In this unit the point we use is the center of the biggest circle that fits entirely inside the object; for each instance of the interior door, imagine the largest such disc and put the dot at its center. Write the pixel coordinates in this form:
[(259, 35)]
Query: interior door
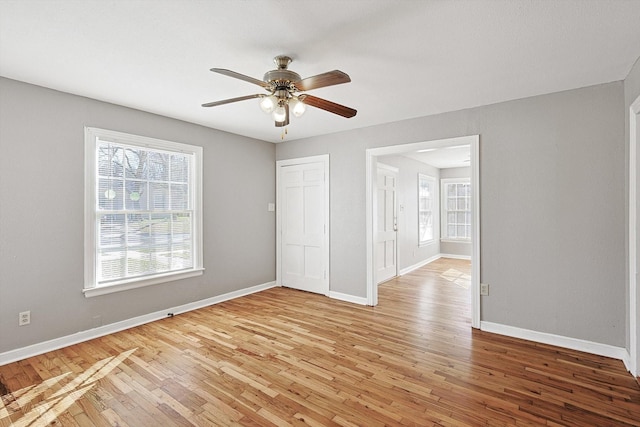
[(387, 223), (303, 221)]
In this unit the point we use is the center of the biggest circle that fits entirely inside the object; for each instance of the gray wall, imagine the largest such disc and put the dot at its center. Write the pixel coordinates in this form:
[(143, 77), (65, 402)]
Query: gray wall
[(455, 248), (552, 216), (409, 250), (631, 92), (42, 204)]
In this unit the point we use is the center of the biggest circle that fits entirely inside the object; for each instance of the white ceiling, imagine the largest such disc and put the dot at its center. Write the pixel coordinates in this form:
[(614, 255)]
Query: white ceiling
[(456, 156), (406, 58)]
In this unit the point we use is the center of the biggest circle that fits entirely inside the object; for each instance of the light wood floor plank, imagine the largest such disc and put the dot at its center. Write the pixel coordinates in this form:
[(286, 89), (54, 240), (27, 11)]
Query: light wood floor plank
[(288, 358)]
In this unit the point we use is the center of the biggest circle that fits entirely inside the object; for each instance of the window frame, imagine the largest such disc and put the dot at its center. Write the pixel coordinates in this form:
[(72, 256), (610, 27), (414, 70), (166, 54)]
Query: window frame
[(444, 217), (91, 287), (432, 182)]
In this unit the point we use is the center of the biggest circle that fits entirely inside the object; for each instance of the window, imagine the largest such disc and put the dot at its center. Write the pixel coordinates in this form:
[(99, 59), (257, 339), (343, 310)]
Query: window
[(143, 207), (456, 209), (426, 186)]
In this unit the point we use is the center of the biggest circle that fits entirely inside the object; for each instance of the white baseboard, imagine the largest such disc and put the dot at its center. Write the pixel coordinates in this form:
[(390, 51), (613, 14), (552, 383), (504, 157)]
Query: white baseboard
[(627, 362), (348, 298), (57, 343), (557, 340), (454, 256), (422, 263)]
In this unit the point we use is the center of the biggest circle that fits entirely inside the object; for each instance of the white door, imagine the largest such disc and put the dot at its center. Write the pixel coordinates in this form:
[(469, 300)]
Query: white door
[(303, 222), (387, 226)]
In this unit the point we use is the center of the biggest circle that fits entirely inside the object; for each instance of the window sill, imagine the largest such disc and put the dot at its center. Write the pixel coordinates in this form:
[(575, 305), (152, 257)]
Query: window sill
[(468, 241), (426, 243), (139, 283)]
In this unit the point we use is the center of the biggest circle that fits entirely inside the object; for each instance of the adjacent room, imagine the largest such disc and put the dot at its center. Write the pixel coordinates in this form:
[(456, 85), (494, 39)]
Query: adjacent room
[(284, 212)]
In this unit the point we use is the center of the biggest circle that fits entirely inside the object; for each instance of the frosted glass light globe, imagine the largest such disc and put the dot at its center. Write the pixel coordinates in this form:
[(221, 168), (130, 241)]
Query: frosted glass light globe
[(297, 107), (268, 103), (279, 114)]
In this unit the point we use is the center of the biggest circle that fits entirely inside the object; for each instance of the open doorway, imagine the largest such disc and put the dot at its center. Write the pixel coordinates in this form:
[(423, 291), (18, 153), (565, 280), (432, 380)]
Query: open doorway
[(469, 143)]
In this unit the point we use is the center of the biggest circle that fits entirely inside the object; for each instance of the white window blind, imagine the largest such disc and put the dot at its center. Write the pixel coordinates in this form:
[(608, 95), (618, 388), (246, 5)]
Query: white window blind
[(144, 210)]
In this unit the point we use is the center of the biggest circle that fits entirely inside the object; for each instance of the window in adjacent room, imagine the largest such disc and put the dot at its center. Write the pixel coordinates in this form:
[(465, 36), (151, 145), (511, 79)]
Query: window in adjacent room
[(143, 211), (426, 186), (456, 209)]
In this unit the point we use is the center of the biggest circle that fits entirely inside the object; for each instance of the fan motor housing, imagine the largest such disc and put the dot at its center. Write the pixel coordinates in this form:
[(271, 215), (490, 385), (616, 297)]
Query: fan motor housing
[(281, 78)]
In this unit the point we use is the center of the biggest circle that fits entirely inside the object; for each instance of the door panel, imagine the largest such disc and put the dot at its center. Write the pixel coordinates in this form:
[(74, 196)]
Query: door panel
[(303, 227), (386, 234)]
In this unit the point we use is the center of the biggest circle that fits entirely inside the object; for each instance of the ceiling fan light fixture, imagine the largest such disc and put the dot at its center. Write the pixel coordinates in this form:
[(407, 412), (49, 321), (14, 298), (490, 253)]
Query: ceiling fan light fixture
[(297, 107), (279, 114), (283, 86), (268, 103)]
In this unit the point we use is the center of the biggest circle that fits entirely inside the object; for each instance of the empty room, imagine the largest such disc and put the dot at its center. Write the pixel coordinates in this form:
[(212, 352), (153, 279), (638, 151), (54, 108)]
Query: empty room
[(319, 212)]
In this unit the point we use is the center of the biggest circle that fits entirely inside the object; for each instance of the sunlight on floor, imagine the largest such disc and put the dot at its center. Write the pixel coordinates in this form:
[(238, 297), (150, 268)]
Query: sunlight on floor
[(459, 278), (55, 404)]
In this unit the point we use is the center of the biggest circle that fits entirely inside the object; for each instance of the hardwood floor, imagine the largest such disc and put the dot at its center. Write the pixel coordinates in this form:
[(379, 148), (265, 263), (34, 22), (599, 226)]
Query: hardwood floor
[(284, 357)]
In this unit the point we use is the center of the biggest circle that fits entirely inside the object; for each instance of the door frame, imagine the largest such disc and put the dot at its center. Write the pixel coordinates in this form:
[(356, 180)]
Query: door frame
[(634, 297), (280, 164), (371, 159), (395, 211)]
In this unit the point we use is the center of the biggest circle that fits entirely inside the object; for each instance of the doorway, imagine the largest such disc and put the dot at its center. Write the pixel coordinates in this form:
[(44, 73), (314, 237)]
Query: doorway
[(371, 178), (302, 224)]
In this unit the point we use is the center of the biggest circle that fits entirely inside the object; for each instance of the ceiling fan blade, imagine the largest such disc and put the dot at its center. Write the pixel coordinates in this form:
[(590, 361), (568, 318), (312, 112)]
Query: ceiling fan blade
[(241, 77), (286, 117), (230, 100), (329, 106), (330, 78)]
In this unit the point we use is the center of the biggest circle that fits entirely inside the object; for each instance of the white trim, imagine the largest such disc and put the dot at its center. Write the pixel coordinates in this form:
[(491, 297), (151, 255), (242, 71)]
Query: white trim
[(627, 361), (633, 361), (456, 142), (348, 298), (57, 343), (556, 340), (91, 134), (126, 285), (422, 263), (372, 288), (455, 256), (444, 232), (463, 241), (370, 155), (322, 158), (475, 231)]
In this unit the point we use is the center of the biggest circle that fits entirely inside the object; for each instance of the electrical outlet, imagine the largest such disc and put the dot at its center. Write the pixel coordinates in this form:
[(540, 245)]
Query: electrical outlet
[(24, 318), (484, 289)]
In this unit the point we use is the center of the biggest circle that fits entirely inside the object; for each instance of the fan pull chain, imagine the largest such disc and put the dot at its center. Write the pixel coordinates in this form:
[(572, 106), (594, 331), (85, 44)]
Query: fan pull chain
[(285, 131)]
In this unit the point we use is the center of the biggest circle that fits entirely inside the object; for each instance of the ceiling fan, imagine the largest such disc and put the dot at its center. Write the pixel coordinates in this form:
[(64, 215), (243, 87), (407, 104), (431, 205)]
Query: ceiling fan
[(282, 86)]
